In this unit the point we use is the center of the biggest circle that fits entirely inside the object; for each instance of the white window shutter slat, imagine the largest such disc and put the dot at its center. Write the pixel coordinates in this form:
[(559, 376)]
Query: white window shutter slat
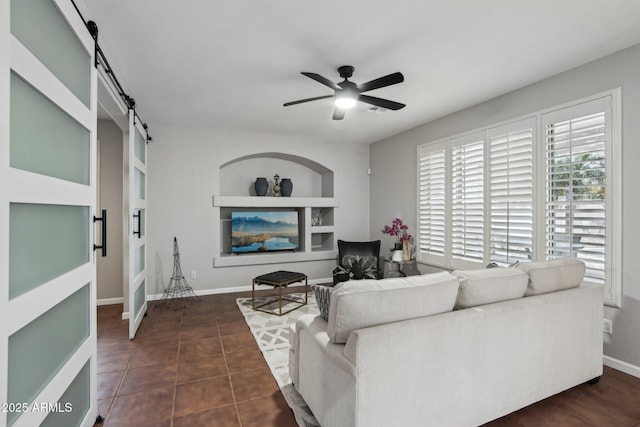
[(511, 192), (467, 204), (576, 190), (431, 204)]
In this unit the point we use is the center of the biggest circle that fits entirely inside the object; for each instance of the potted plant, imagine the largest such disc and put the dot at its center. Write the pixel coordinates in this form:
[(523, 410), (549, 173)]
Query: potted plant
[(358, 269), (402, 246)]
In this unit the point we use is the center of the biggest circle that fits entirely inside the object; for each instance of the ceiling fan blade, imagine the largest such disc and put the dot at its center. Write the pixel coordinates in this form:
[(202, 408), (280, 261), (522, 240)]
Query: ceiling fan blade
[(384, 103), (338, 114), (307, 100), (325, 81), (389, 80)]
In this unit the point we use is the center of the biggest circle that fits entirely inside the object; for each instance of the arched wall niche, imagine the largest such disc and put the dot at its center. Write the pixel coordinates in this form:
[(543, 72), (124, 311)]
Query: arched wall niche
[(310, 178)]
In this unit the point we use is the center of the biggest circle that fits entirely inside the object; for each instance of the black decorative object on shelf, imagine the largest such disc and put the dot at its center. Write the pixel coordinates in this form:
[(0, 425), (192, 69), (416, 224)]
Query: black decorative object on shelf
[(286, 186), (261, 186), (178, 294)]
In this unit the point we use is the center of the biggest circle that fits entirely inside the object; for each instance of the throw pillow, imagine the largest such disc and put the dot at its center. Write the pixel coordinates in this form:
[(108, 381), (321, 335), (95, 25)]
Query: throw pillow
[(486, 286), (323, 298), (551, 276), (495, 264), (360, 304)]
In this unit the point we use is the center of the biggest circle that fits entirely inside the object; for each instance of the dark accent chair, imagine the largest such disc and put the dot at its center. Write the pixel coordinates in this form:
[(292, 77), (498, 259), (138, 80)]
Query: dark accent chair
[(361, 249)]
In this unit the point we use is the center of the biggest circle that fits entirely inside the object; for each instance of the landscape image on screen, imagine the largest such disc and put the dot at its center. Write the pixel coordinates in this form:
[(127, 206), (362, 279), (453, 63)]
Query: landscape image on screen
[(264, 231)]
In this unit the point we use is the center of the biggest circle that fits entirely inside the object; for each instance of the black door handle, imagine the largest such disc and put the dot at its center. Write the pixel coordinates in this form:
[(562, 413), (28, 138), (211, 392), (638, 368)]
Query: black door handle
[(103, 220), (136, 218)]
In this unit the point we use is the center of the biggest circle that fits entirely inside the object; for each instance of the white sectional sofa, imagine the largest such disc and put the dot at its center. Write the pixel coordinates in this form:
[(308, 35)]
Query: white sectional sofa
[(395, 352)]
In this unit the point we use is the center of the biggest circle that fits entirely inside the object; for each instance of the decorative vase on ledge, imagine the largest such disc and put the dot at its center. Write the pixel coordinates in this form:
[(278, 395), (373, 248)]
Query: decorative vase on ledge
[(261, 186), (286, 186), (406, 250)]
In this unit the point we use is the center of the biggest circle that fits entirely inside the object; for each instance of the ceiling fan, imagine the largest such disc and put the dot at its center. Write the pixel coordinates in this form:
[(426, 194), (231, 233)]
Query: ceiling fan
[(347, 93)]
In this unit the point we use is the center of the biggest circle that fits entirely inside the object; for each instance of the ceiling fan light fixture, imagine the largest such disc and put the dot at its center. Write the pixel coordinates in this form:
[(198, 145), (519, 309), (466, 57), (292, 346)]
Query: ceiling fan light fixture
[(345, 101), (347, 94)]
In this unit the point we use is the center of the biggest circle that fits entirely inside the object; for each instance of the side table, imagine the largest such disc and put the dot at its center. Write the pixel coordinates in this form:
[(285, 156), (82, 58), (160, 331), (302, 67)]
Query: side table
[(279, 279), (399, 268)]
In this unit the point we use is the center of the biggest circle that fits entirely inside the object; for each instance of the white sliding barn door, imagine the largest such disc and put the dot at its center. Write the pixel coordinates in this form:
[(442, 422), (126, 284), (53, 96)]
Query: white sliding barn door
[(136, 207), (47, 206)]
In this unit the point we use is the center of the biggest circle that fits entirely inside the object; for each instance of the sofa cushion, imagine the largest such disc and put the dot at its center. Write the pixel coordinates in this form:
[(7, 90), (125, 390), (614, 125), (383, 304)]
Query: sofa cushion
[(360, 304), (323, 298), (551, 276), (489, 285)]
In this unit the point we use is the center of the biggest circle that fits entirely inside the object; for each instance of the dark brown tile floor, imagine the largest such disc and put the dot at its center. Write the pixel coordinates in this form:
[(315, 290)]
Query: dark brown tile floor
[(200, 366), (197, 366)]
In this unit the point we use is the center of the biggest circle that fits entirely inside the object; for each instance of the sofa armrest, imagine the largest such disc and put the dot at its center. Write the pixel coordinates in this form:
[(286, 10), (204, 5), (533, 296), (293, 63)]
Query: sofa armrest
[(315, 328), (324, 377), (294, 342)]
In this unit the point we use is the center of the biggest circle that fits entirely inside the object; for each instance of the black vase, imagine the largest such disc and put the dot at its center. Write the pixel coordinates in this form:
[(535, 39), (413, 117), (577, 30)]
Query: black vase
[(261, 186), (286, 186)]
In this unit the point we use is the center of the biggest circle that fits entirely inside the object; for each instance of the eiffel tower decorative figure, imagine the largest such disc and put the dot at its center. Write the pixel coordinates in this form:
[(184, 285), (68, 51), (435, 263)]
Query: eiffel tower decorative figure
[(178, 294)]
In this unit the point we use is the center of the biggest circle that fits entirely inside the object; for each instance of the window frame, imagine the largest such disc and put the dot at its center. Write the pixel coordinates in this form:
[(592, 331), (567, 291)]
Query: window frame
[(613, 262)]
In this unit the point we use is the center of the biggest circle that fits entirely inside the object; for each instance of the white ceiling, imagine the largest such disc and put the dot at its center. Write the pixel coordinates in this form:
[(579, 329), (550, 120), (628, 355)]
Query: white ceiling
[(232, 64)]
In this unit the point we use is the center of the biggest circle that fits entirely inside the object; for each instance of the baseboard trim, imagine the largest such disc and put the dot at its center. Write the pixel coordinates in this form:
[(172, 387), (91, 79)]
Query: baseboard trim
[(625, 367), (154, 297), (203, 292), (110, 301)]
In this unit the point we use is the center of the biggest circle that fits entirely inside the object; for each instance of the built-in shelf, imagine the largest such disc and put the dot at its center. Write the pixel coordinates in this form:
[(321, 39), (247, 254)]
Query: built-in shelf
[(316, 242), (257, 259), (321, 241), (313, 201), (322, 229), (274, 202)]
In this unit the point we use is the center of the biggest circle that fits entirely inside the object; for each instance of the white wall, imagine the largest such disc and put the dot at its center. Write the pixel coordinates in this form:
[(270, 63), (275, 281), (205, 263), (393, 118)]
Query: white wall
[(184, 174), (306, 183), (109, 268), (393, 184)]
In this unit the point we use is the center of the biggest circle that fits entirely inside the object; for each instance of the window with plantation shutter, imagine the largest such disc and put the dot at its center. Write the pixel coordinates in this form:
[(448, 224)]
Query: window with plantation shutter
[(576, 162), (534, 189), (431, 202), (511, 192), (467, 200)]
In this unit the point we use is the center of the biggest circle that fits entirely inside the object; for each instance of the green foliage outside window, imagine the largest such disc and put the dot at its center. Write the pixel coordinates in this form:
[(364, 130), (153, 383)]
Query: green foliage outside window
[(583, 177)]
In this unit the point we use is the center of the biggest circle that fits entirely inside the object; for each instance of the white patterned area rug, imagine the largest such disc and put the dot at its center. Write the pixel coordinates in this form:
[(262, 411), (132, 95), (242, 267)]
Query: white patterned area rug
[(271, 332)]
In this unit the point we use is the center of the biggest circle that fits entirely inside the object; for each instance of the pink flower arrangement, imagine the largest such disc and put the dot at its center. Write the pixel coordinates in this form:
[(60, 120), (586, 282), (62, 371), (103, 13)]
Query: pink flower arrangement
[(399, 230)]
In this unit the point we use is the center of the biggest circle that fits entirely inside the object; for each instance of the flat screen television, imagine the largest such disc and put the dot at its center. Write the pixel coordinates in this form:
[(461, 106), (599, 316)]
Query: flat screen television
[(264, 231)]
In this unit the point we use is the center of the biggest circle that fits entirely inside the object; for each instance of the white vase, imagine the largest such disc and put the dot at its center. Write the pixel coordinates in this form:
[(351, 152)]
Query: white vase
[(397, 255)]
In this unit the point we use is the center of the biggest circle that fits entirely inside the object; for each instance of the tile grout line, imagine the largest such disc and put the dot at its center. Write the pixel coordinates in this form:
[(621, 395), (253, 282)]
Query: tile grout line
[(224, 356), (117, 391), (223, 313), (175, 383)]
